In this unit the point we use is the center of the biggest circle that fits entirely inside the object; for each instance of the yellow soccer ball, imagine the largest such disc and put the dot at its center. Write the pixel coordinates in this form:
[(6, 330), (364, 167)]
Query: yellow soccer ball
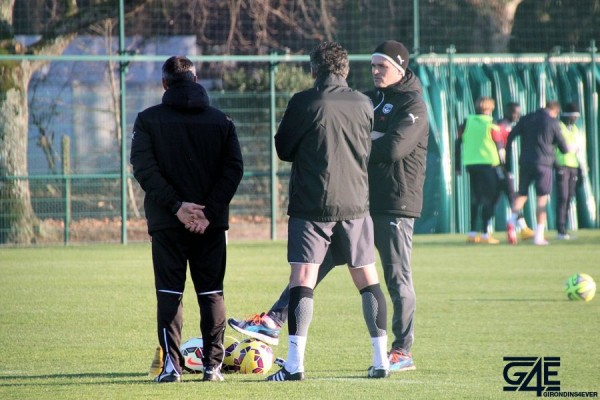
[(580, 287)]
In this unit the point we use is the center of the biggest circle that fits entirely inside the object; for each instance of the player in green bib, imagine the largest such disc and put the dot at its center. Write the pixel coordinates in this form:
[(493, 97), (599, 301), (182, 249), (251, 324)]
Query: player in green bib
[(568, 166), (477, 147)]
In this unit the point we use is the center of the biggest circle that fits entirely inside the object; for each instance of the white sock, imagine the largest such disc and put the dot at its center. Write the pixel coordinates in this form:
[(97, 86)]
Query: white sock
[(295, 358), (484, 236), (513, 219), (522, 223), (380, 357), (539, 232), (472, 234)]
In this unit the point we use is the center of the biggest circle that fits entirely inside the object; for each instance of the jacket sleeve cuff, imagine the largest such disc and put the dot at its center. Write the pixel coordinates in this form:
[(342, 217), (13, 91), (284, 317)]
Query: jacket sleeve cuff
[(209, 214), (176, 206)]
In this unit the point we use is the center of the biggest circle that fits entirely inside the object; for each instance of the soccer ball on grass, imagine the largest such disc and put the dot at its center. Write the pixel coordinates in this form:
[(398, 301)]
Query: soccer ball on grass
[(252, 357), (230, 343), (192, 355), (580, 287)]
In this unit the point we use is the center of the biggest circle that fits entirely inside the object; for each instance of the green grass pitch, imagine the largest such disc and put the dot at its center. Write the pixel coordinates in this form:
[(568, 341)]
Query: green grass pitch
[(79, 322)]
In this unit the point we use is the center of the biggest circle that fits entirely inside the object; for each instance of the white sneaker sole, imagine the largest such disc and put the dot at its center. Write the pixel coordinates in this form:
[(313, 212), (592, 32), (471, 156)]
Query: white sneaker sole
[(256, 335), (410, 368)]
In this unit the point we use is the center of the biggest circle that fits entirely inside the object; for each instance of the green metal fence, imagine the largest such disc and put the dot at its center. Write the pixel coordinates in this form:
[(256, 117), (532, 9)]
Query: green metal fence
[(70, 181), (74, 206), (454, 81)]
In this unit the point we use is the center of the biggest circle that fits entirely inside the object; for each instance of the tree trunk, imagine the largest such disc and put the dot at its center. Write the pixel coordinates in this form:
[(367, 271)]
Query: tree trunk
[(18, 223), (17, 219)]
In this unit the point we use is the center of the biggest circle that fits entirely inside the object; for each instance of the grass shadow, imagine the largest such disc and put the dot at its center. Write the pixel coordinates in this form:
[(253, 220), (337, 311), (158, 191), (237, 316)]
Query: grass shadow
[(57, 379), (520, 300)]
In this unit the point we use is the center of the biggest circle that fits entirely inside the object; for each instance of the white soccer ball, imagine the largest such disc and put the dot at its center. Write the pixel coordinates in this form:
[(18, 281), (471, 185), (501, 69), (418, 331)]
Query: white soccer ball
[(192, 355)]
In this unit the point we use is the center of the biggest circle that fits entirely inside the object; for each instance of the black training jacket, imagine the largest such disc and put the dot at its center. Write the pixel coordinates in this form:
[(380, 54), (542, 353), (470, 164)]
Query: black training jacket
[(398, 156), (185, 150), (539, 133), (325, 133)]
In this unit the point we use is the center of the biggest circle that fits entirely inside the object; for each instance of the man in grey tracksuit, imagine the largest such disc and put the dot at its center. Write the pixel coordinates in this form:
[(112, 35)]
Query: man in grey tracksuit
[(396, 176)]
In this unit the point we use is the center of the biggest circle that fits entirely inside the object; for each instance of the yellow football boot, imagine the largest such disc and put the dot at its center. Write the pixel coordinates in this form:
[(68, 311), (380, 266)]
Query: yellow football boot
[(527, 233)]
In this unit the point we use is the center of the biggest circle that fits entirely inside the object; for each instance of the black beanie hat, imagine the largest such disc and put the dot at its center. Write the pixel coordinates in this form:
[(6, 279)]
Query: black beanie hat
[(570, 110), (395, 52)]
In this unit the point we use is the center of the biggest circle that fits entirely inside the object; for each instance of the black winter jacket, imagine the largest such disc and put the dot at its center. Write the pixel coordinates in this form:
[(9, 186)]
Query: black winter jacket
[(539, 133), (399, 148), (325, 134), (185, 150)]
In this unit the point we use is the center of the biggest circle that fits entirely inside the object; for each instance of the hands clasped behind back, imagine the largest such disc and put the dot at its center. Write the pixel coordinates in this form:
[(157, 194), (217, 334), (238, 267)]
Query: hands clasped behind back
[(192, 216)]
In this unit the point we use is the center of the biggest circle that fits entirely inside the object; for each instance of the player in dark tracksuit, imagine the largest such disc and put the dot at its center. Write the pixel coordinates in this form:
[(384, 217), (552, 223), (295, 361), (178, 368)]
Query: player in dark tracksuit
[(512, 113), (539, 132), (396, 178), (186, 156)]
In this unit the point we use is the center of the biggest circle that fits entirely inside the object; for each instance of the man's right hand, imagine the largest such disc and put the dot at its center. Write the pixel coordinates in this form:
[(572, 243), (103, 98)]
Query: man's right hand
[(192, 217)]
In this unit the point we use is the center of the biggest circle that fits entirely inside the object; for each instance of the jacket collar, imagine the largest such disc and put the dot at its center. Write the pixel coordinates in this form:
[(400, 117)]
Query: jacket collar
[(186, 96), (330, 80), (402, 85)]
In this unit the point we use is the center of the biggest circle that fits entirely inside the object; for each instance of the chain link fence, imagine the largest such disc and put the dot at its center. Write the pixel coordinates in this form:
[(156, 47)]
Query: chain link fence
[(86, 72)]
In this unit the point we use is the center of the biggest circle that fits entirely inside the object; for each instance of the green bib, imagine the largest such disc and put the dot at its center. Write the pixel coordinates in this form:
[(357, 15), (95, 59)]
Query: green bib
[(570, 134), (478, 145)]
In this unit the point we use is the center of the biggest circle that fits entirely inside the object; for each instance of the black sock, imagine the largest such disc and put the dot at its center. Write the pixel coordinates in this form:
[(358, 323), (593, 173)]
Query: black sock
[(374, 310), (300, 310)]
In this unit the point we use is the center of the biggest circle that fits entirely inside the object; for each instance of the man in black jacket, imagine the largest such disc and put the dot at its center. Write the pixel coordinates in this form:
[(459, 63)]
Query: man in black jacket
[(187, 158), (325, 133), (396, 176), (539, 132)]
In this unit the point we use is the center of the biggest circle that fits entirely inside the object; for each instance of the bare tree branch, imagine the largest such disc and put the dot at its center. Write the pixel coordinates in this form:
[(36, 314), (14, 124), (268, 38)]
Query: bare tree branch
[(79, 21)]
